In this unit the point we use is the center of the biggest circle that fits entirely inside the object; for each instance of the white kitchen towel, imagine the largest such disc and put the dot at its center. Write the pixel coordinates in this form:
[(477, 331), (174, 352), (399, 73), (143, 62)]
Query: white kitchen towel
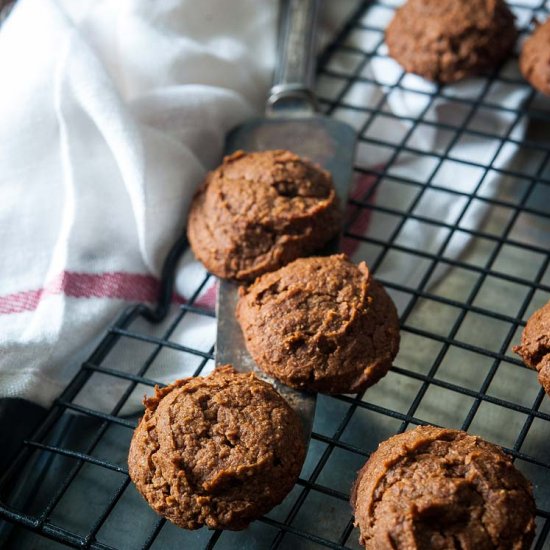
[(112, 111)]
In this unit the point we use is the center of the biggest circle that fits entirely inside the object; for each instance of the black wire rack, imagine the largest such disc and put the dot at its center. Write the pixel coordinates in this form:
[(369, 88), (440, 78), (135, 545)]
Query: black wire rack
[(460, 314)]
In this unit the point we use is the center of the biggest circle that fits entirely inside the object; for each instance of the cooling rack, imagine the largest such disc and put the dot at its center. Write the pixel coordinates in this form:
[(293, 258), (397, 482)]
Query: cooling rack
[(460, 314)]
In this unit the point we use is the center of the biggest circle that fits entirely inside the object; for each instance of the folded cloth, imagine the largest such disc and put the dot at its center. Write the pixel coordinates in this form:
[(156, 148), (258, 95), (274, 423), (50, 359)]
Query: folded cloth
[(111, 114)]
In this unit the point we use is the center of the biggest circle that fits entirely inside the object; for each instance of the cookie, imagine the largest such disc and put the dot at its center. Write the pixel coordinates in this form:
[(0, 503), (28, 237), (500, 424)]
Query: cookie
[(218, 451), (259, 211), (451, 40), (534, 61), (320, 324), (535, 345), (440, 489)]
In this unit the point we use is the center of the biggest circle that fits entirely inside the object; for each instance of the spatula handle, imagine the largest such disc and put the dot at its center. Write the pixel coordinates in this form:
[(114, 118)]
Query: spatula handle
[(292, 83)]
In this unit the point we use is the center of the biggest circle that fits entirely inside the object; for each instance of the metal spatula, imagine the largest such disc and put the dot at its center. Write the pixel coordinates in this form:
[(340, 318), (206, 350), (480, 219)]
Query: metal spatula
[(290, 123)]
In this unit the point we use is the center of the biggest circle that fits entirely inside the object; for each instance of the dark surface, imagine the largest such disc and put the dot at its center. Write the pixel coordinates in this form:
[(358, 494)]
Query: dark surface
[(18, 419)]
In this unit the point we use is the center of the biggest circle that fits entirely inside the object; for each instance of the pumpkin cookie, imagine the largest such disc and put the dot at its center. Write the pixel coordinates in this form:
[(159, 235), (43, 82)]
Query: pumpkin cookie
[(439, 489), (451, 40), (259, 211), (534, 61), (218, 451), (535, 345), (320, 324)]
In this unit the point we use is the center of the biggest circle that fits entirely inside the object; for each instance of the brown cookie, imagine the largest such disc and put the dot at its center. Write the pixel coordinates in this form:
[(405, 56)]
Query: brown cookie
[(259, 211), (534, 61), (440, 489), (218, 451), (535, 345), (451, 40), (320, 324)]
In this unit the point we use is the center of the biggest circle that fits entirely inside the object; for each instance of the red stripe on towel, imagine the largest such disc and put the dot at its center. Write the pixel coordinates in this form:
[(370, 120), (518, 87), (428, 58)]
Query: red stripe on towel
[(360, 216), (208, 299), (119, 285)]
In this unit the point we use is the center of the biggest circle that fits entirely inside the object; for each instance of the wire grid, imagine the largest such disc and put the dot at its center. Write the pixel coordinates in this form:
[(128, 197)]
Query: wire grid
[(454, 369)]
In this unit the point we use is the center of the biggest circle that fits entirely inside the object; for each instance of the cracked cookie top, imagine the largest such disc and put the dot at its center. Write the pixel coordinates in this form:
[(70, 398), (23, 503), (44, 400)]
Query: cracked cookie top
[(439, 489), (219, 450), (320, 324), (259, 211)]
